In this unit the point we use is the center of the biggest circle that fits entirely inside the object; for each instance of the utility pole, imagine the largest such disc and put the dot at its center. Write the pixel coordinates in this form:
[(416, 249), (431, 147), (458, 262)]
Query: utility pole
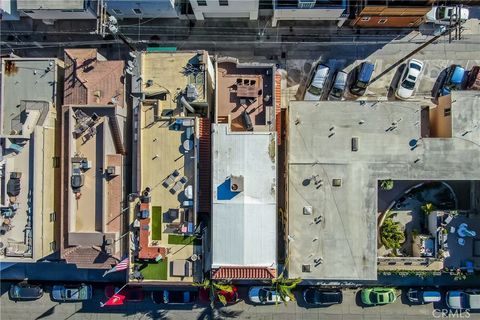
[(399, 62), (453, 25)]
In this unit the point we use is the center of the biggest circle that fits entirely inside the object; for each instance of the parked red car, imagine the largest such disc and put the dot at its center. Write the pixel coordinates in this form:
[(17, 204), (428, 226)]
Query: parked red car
[(231, 297), (132, 294)]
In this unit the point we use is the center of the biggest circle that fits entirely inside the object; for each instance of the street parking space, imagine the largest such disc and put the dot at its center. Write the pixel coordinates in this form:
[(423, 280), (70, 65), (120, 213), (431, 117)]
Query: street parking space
[(350, 308)]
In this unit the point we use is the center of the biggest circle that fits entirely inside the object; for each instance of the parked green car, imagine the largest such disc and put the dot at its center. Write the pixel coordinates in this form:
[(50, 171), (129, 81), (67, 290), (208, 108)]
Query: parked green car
[(378, 296)]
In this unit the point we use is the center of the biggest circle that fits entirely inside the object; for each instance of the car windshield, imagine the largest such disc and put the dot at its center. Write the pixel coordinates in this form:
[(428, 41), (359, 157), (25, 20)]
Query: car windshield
[(362, 84), (315, 91), (336, 92), (391, 296), (373, 297), (407, 84), (464, 301), (415, 66), (441, 13), (264, 295)]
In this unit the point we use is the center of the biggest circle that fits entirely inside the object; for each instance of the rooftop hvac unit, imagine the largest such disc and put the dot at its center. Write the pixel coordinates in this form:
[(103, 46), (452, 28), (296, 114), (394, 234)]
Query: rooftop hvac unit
[(192, 93), (236, 183), (306, 4), (307, 210), (113, 170)]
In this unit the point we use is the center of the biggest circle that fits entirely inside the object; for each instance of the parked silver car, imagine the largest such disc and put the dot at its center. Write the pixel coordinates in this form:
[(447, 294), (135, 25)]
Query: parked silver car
[(338, 87), (72, 293), (317, 85), (459, 300)]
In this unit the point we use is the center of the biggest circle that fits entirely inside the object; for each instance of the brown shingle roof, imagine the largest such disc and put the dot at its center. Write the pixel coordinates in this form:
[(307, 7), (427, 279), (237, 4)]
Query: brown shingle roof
[(89, 257), (89, 81), (243, 273)]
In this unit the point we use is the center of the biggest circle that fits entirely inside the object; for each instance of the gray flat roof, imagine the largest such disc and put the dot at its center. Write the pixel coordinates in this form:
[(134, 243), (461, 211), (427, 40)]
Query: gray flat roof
[(244, 224), (342, 246), (466, 115), (25, 79), (50, 4)]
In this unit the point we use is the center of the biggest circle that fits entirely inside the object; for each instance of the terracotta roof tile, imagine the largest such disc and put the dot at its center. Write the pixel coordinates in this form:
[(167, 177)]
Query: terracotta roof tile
[(243, 273), (89, 81), (205, 166), (278, 106), (89, 257)]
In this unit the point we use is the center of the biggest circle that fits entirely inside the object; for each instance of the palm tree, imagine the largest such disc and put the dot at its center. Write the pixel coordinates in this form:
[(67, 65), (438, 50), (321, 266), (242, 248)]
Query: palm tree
[(428, 208), (387, 185), (284, 286), (392, 235), (214, 288)]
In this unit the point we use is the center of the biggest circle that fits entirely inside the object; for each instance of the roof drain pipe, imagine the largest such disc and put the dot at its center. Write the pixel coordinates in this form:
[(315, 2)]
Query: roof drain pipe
[(186, 105)]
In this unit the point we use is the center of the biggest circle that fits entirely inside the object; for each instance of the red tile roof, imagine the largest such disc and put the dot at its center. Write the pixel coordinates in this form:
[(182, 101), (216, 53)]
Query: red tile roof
[(278, 106), (243, 273), (205, 166), (89, 81)]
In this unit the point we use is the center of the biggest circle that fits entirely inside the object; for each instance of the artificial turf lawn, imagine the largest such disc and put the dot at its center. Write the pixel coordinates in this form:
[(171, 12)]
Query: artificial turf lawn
[(156, 270), (175, 239), (156, 223)]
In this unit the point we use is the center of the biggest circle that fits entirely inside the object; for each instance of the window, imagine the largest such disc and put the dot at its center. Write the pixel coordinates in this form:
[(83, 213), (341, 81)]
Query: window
[(137, 11), (447, 112), (201, 2), (117, 11), (223, 2), (382, 21), (53, 216), (56, 162), (53, 246), (365, 19)]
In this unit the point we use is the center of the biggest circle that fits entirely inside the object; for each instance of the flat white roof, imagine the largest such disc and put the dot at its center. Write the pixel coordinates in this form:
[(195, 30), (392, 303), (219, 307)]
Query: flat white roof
[(244, 224)]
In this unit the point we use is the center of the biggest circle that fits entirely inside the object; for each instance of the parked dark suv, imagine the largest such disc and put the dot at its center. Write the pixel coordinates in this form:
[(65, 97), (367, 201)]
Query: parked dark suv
[(23, 291), (361, 77)]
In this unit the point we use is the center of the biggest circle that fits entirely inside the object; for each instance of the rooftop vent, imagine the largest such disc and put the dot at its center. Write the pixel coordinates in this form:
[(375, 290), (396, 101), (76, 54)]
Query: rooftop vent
[(236, 183), (308, 210), (337, 182), (355, 144), (306, 268)]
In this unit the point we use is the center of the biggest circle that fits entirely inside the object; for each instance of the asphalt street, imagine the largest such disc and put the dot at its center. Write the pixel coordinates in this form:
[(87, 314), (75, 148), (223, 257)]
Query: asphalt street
[(350, 309)]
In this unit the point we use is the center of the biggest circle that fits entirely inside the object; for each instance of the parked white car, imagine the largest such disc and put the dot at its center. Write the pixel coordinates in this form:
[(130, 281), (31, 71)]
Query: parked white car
[(442, 14), (315, 89), (468, 299), (409, 79), (72, 293), (264, 295)]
